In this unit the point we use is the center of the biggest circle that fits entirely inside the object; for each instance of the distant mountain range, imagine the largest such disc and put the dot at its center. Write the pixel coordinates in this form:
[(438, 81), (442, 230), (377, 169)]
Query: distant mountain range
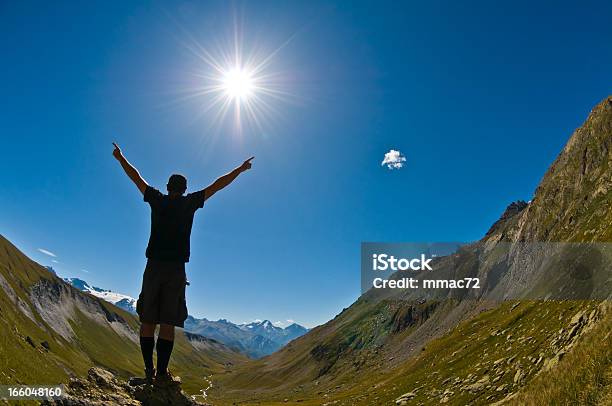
[(255, 339)]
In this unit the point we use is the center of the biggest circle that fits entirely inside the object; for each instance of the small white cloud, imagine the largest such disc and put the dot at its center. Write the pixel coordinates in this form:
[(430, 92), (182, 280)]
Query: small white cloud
[(84, 270), (47, 252), (393, 160), (55, 261)]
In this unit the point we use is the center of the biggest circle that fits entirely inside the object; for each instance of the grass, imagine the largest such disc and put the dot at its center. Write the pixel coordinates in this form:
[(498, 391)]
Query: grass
[(583, 377), (470, 349)]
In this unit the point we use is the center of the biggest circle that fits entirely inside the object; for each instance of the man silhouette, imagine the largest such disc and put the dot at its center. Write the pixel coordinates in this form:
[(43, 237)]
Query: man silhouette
[(162, 298)]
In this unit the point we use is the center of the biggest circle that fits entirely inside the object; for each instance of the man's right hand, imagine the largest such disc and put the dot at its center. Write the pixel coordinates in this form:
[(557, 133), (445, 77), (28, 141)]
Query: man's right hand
[(130, 171), (117, 152)]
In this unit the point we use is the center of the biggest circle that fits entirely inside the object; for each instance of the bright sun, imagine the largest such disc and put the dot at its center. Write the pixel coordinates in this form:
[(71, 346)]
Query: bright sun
[(238, 83)]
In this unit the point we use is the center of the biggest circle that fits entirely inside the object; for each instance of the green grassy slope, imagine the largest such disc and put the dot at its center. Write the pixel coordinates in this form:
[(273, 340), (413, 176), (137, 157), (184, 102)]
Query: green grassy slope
[(481, 361), (583, 377)]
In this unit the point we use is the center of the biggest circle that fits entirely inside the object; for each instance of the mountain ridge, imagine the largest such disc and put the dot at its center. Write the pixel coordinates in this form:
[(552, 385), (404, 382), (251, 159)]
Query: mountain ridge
[(255, 339)]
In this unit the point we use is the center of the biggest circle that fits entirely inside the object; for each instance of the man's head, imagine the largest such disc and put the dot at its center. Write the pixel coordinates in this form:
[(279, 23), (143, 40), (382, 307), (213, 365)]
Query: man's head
[(177, 184)]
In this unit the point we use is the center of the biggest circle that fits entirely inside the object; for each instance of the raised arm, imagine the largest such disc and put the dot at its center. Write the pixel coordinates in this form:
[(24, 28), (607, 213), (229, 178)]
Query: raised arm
[(226, 179), (130, 171)]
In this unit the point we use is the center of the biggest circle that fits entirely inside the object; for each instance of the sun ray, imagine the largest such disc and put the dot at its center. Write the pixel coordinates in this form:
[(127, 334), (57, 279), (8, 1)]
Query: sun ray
[(236, 83)]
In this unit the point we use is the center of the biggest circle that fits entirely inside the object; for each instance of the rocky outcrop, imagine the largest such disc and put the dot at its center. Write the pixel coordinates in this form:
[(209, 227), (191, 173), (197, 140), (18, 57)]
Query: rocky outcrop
[(408, 315), (512, 210), (567, 337), (102, 388), (405, 398)]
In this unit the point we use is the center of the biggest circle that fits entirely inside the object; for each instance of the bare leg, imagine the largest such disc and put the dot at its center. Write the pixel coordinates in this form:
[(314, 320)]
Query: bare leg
[(147, 329), (166, 331)]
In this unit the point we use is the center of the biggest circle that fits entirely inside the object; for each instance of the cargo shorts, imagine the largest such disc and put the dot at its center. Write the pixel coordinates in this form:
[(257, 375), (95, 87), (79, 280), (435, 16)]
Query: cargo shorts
[(162, 297)]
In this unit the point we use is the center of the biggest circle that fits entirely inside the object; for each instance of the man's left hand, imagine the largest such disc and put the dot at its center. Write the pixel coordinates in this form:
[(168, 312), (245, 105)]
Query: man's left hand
[(246, 165), (117, 151)]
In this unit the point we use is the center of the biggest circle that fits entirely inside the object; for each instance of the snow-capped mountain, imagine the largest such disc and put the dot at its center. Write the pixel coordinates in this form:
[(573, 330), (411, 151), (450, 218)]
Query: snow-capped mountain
[(264, 326), (120, 300), (230, 334), (255, 339), (266, 329), (274, 332), (277, 334)]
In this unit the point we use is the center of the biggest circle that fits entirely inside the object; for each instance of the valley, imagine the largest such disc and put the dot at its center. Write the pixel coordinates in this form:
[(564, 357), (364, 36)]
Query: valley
[(537, 332)]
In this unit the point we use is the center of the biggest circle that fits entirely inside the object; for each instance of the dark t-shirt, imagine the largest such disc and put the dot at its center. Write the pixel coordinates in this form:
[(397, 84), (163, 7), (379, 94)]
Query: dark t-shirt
[(171, 221)]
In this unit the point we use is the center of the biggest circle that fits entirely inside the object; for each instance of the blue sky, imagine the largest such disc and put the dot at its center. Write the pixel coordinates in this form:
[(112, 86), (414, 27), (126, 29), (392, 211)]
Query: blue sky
[(479, 97)]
